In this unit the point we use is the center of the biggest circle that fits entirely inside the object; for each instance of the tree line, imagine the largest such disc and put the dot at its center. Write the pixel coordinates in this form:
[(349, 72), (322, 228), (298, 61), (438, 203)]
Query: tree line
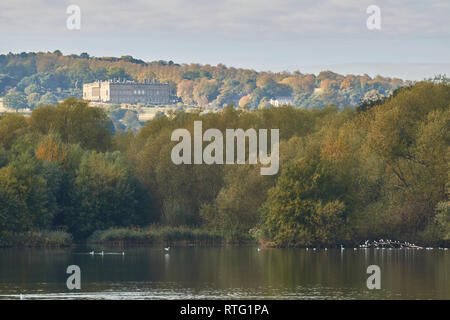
[(376, 171), (28, 80)]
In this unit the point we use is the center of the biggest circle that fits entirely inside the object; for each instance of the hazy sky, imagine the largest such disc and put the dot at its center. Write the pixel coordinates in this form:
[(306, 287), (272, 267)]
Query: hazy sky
[(276, 35)]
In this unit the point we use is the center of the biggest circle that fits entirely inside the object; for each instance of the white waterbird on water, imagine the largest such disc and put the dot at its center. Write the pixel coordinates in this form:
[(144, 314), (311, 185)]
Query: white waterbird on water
[(102, 253), (167, 249)]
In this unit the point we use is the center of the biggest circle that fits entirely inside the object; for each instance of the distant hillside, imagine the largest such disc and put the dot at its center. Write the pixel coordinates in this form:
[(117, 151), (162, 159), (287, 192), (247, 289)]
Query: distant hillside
[(32, 79)]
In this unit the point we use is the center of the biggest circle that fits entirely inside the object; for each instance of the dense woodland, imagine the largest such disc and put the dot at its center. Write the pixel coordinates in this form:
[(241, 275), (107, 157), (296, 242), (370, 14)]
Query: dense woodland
[(31, 79), (376, 171)]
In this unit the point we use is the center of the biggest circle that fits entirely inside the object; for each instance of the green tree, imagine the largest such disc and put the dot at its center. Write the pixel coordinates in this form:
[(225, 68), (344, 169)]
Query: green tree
[(106, 195), (33, 99), (15, 100), (24, 197), (237, 207), (117, 73), (443, 219), (48, 99), (11, 127), (303, 208), (75, 122), (32, 88)]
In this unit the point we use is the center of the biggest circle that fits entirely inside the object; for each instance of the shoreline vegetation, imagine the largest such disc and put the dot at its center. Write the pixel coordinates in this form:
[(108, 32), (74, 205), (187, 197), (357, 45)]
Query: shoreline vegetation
[(38, 239), (377, 171), (152, 235), (165, 235)]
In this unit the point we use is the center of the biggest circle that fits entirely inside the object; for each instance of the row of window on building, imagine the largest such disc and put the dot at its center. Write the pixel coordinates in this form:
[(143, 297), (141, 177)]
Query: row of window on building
[(141, 92)]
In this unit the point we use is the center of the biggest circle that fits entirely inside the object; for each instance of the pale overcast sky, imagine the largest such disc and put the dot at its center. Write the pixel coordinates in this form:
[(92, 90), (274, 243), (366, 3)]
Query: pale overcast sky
[(413, 43)]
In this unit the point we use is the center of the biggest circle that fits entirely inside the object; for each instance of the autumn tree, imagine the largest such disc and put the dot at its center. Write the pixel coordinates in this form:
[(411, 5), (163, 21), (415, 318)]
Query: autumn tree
[(75, 122)]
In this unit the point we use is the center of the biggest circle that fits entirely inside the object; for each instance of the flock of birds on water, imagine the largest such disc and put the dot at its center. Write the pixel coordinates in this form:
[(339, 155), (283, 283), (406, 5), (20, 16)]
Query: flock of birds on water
[(384, 244), (102, 253), (380, 244)]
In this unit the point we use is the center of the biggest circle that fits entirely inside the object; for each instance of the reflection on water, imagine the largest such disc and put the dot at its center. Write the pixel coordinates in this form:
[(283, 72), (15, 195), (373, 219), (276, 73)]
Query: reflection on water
[(224, 273)]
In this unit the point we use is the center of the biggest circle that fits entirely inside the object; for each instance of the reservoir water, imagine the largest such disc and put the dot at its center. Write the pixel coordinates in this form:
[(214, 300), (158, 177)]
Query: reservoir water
[(224, 273)]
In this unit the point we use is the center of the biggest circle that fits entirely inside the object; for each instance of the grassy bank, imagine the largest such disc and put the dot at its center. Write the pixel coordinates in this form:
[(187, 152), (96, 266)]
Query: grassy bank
[(166, 235), (38, 239)]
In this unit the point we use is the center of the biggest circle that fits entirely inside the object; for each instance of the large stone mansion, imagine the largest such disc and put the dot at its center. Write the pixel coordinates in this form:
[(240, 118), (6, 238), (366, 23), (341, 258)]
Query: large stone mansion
[(127, 92)]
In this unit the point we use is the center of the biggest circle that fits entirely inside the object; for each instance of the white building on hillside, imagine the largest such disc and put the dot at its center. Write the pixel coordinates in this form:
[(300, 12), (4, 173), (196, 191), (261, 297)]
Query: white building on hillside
[(282, 100)]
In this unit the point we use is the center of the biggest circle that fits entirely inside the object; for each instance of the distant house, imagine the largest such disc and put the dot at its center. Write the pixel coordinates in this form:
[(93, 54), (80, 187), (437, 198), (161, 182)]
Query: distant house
[(282, 100), (127, 92)]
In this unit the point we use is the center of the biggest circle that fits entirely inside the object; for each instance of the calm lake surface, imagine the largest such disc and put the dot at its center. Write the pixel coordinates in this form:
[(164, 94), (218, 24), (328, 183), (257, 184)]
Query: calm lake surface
[(224, 273)]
